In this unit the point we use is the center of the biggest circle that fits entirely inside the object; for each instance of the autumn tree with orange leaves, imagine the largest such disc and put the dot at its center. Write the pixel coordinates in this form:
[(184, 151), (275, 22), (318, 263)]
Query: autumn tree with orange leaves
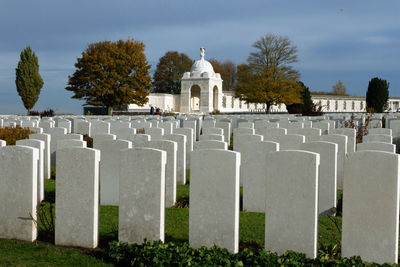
[(112, 74), (268, 76)]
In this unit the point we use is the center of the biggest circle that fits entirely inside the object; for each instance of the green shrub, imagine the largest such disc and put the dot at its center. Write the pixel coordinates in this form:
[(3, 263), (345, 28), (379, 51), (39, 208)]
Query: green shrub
[(180, 254), (11, 135)]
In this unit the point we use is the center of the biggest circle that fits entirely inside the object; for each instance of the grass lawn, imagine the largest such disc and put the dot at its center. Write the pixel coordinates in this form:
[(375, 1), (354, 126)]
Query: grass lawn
[(176, 229)]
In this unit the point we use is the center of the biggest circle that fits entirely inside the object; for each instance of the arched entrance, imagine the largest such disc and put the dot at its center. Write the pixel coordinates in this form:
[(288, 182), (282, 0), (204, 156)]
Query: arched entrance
[(195, 98), (215, 98)]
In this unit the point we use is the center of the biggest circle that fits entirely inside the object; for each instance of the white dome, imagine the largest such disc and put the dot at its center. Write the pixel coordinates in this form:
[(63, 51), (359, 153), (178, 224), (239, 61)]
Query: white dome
[(201, 66)]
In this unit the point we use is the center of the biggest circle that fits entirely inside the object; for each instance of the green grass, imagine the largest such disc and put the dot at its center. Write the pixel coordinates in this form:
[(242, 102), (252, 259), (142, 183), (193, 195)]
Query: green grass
[(18, 253), (251, 233)]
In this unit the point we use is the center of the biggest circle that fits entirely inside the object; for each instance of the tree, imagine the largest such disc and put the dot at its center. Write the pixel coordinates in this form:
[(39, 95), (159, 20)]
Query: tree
[(339, 88), (377, 94), (275, 52), (169, 72), (227, 69), (268, 77), (28, 80), (112, 73), (307, 107)]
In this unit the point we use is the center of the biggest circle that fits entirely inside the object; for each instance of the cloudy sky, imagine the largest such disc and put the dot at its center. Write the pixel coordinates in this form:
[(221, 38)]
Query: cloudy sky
[(352, 41)]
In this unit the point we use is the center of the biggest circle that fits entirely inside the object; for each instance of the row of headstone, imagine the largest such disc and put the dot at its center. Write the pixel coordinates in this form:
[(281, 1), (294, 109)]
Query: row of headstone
[(371, 195)]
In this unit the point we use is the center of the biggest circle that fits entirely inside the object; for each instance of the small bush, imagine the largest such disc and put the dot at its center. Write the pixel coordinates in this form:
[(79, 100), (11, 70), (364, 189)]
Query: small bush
[(11, 135), (45, 113), (153, 253)]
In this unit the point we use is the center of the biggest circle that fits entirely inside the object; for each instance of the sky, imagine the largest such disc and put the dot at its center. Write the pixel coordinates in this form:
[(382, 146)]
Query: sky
[(352, 41)]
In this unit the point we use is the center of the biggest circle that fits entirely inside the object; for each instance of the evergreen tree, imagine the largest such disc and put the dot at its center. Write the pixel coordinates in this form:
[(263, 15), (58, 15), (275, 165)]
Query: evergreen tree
[(307, 107), (28, 80), (377, 95)]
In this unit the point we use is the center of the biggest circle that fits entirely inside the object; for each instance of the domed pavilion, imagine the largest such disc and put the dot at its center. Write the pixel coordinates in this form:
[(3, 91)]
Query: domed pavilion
[(201, 88)]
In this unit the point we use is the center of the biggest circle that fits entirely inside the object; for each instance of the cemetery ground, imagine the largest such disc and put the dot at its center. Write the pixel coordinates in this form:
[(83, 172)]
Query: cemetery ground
[(44, 252)]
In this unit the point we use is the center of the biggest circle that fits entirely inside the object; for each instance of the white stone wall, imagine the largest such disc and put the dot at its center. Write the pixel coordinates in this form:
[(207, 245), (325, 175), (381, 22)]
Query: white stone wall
[(329, 103)]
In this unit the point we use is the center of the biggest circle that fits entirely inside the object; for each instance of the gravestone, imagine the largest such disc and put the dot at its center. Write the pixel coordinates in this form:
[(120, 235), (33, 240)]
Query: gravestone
[(65, 143), (380, 131), (214, 199), (115, 125), (181, 156), (193, 125), (63, 123), (171, 148), (83, 127), (18, 192), (110, 170), (125, 133), (378, 138), (218, 131), (311, 134), (216, 137), (98, 138), (341, 141), (289, 141), (167, 126), (253, 174), (39, 145), (46, 153), (210, 144), (327, 183), (77, 198), (189, 142), (377, 146), (370, 224), (140, 140), (100, 127), (155, 133), (227, 127), (351, 137), (289, 226), (56, 134), (142, 179)]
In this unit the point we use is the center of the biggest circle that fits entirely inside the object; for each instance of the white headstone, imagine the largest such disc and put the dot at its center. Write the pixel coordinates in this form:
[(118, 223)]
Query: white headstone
[(189, 142), (46, 154), (97, 139), (377, 146), (171, 148), (100, 127), (210, 144), (18, 192), (155, 133), (226, 126), (214, 199), (327, 183), (253, 174), (125, 133), (291, 214), (77, 198), (181, 156), (39, 145), (341, 141), (142, 187), (370, 225), (378, 138), (351, 137), (110, 170)]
